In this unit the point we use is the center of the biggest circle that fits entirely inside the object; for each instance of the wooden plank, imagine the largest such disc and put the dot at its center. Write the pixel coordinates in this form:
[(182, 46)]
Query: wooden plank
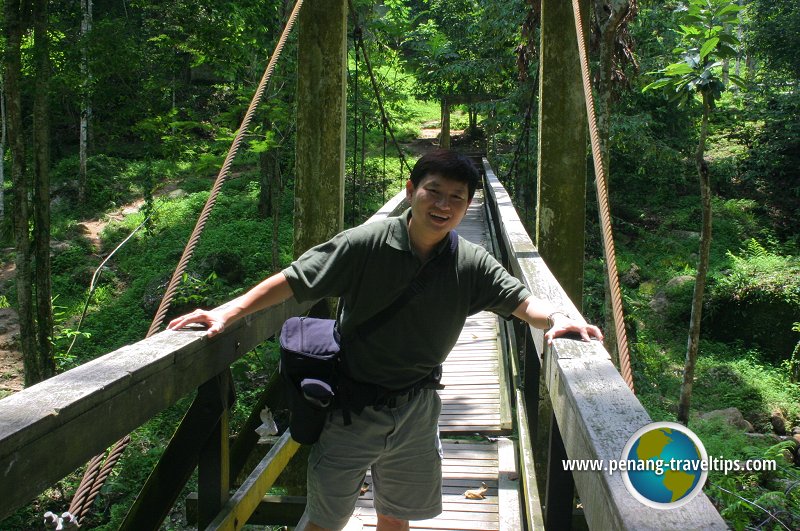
[(467, 507), (243, 503), (465, 466), (509, 510), (369, 522), (179, 460)]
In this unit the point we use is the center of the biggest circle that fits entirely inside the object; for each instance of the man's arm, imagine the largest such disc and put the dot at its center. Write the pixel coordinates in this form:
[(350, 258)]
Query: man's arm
[(541, 314), (274, 290)]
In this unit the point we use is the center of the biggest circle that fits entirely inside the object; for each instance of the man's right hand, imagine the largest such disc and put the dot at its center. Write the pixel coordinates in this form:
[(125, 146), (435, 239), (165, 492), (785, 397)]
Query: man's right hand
[(215, 320)]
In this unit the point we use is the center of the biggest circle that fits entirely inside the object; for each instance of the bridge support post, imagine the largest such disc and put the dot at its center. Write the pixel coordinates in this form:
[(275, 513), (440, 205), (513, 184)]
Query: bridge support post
[(213, 474), (321, 106), (561, 210), (560, 491)]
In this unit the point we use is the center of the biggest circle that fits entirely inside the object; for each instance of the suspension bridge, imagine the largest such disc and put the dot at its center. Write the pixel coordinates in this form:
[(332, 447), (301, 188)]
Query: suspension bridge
[(513, 407)]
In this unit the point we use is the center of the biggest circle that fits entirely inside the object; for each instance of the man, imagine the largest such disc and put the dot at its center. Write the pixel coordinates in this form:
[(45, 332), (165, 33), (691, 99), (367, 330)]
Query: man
[(368, 267)]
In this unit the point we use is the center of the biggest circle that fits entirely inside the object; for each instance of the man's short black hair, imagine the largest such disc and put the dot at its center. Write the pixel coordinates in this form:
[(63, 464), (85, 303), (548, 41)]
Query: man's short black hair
[(448, 164)]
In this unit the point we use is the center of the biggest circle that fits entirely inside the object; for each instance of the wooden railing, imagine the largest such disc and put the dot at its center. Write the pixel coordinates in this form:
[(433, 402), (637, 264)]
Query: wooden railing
[(573, 399)]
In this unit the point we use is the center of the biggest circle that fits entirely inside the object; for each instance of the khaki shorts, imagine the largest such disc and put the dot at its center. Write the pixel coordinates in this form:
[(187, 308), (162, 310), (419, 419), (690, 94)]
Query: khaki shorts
[(401, 447)]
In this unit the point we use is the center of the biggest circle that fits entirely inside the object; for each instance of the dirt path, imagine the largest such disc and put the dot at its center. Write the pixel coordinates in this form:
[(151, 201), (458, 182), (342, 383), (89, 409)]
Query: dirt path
[(11, 372)]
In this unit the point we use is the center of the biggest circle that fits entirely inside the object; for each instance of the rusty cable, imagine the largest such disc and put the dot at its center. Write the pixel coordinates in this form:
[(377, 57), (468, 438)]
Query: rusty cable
[(602, 199), (95, 476), (359, 42), (223, 174)]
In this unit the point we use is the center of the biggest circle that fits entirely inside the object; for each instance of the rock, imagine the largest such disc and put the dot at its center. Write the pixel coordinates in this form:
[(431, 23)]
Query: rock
[(778, 422), (226, 265), (675, 297), (788, 456), (632, 277), (769, 437), (82, 229), (659, 303), (686, 234), (679, 282), (731, 416), (176, 194), (796, 430), (58, 247)]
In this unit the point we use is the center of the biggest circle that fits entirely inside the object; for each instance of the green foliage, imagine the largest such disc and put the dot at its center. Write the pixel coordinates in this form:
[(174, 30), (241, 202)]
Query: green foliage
[(769, 170), (773, 34), (63, 335), (744, 496), (111, 181), (759, 275), (756, 297), (706, 38), (197, 292)]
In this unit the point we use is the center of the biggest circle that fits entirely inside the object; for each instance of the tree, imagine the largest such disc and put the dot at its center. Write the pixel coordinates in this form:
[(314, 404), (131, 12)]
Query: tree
[(86, 105), (775, 34), (2, 146), (463, 50), (31, 187), (611, 38), (707, 39)]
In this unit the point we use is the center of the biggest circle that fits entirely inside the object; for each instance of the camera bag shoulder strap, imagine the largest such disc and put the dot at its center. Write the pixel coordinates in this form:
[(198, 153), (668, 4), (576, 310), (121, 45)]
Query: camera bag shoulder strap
[(416, 287)]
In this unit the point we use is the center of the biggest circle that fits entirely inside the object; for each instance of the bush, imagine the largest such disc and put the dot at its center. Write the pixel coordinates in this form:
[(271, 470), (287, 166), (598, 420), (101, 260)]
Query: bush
[(756, 299)]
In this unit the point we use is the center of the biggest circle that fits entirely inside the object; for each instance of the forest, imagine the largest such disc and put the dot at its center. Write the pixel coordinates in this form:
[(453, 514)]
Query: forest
[(117, 116)]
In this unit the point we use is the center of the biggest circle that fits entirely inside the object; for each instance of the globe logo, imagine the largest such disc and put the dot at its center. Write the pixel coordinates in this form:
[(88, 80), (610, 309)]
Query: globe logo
[(666, 465)]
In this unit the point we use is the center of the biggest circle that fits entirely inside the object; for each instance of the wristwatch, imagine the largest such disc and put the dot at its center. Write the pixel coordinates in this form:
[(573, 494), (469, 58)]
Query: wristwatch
[(551, 322)]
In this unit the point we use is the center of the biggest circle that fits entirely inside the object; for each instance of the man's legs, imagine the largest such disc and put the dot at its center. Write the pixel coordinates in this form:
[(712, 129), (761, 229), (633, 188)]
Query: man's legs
[(390, 523), (385, 523), (401, 444)]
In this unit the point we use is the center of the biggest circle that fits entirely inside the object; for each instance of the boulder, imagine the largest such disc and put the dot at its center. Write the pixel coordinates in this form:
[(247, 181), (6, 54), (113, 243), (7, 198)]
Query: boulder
[(632, 277), (675, 299), (731, 416), (778, 422)]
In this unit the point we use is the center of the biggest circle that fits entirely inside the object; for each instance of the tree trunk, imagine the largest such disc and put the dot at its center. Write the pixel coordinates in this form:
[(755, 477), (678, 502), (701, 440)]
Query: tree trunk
[(2, 146), (264, 194), (265, 170), (562, 129), (610, 17), (320, 149), (14, 14), (702, 270), (41, 204), (86, 104), (444, 136), (276, 191), (473, 121)]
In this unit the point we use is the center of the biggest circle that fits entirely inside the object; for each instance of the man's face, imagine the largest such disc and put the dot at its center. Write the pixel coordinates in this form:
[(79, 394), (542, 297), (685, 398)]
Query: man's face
[(438, 204)]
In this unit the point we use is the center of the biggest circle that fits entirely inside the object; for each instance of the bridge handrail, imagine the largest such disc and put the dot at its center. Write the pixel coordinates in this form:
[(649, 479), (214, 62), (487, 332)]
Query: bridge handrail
[(595, 410), (50, 429)]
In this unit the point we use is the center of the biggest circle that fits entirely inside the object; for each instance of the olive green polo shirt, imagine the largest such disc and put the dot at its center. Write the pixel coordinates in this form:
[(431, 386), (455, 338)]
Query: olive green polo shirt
[(369, 266)]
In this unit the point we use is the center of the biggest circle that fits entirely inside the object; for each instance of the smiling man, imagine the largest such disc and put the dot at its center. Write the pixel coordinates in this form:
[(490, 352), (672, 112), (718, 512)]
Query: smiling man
[(368, 267)]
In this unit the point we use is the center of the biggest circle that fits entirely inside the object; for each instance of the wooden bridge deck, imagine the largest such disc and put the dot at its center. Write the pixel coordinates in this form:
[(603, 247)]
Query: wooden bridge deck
[(474, 402)]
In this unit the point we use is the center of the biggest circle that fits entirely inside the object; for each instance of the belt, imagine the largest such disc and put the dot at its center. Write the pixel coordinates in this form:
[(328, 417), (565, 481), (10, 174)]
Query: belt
[(395, 401)]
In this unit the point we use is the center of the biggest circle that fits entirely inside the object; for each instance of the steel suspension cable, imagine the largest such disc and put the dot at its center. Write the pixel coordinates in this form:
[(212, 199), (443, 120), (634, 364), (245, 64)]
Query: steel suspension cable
[(602, 198), (223, 174), (384, 116), (95, 475), (359, 42)]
